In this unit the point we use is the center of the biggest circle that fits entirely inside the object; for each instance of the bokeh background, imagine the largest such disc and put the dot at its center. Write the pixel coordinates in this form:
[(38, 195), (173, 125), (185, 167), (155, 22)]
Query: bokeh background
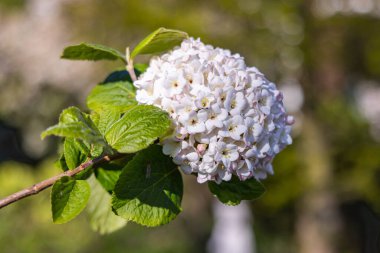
[(323, 54)]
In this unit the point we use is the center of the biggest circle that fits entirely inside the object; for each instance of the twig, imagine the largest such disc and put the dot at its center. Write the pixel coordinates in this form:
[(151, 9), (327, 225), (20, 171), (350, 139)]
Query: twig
[(50, 181), (130, 68)]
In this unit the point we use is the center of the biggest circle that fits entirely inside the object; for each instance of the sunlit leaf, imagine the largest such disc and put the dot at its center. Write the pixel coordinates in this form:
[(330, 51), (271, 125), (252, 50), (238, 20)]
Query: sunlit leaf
[(68, 198), (75, 124), (106, 118), (74, 155), (159, 41), (117, 96), (139, 127)]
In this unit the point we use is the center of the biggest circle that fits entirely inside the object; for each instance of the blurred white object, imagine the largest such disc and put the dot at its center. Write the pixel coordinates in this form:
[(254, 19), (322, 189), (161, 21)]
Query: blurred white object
[(368, 97), (31, 45), (233, 230), (326, 8), (293, 95)]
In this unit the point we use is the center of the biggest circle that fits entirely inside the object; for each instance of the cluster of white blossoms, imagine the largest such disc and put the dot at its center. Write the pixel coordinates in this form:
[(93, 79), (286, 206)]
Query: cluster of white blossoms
[(228, 118)]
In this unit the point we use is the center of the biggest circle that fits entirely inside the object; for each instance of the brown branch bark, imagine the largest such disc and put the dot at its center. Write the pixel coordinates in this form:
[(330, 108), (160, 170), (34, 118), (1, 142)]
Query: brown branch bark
[(50, 181)]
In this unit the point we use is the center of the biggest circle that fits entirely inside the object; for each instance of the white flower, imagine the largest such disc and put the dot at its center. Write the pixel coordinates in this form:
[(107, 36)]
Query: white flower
[(229, 119), (226, 153), (195, 122), (235, 103), (216, 116), (172, 84), (233, 128), (254, 130)]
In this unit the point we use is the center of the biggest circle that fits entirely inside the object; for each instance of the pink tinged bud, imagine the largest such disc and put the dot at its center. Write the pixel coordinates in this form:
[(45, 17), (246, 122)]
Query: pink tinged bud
[(290, 120), (201, 148)]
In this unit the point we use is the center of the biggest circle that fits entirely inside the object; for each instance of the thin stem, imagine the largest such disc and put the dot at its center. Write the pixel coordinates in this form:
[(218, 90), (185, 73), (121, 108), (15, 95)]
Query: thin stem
[(50, 181), (130, 68)]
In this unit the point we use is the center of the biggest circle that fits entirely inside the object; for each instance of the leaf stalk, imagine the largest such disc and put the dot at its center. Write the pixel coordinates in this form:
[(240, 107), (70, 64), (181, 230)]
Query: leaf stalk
[(130, 68)]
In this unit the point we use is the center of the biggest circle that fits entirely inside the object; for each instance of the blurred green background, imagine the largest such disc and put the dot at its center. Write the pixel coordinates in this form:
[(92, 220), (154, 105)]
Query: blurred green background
[(323, 54)]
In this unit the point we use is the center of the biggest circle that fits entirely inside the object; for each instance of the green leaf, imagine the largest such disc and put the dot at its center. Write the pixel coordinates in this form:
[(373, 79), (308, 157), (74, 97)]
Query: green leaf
[(159, 41), (75, 124), (118, 76), (91, 52), (68, 198), (95, 119), (61, 163), (96, 150), (139, 127), (106, 118), (107, 177), (107, 174), (123, 75), (149, 190), (234, 191), (73, 153), (77, 152), (140, 68), (99, 208), (112, 96)]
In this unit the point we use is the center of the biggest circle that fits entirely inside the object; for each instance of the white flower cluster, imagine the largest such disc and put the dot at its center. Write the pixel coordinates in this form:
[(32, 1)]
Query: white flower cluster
[(229, 119)]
